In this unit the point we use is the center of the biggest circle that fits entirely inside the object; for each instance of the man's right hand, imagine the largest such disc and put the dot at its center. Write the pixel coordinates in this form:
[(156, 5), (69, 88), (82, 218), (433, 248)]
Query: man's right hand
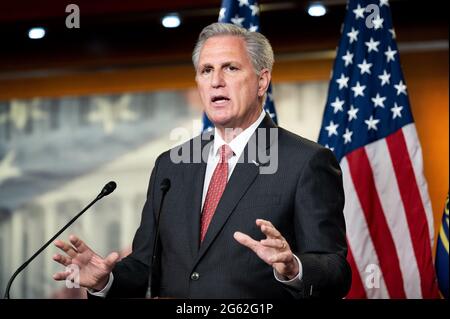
[(94, 270)]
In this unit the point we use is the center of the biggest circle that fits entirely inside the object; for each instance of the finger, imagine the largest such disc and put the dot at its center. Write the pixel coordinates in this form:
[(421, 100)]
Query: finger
[(61, 275), (274, 243), (284, 257), (112, 259), (271, 232), (246, 240), (268, 228), (78, 243), (67, 248), (63, 260), (261, 222)]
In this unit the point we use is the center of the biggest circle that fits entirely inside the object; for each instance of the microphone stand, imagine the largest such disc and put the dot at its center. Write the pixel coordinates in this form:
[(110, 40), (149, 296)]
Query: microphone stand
[(152, 285)]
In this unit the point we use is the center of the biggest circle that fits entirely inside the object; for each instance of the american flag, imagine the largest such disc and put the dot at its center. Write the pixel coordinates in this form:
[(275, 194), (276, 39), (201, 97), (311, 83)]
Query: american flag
[(244, 13), (369, 125)]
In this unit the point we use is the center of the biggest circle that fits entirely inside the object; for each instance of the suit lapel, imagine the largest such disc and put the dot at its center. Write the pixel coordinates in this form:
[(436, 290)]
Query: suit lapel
[(194, 176), (243, 176)]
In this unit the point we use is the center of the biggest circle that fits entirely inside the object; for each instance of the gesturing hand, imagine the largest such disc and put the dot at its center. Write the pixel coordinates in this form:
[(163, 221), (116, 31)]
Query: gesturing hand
[(94, 270), (274, 249)]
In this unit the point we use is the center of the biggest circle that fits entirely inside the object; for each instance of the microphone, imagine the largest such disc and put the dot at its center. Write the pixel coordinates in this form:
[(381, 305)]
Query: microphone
[(153, 282), (107, 189)]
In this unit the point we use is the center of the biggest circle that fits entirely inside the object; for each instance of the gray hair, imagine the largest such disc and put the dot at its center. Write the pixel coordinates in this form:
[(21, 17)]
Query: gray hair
[(258, 47)]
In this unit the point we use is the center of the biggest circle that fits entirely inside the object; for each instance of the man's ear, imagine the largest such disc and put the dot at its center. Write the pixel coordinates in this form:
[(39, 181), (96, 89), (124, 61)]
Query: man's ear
[(264, 81)]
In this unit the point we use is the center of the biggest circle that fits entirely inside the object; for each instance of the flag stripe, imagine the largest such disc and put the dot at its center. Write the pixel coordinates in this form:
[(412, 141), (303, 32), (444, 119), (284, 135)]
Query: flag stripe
[(392, 206), (415, 153), (358, 236), (415, 211), (357, 290), (363, 180)]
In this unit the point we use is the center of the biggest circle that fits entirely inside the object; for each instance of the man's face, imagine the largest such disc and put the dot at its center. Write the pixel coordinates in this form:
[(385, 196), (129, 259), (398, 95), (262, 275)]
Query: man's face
[(230, 89)]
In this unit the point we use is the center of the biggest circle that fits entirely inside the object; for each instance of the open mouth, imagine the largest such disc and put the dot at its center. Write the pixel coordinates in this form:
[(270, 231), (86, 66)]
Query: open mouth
[(219, 99)]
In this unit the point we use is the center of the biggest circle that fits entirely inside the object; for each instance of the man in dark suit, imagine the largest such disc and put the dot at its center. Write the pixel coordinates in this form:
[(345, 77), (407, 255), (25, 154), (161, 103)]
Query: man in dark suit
[(253, 211)]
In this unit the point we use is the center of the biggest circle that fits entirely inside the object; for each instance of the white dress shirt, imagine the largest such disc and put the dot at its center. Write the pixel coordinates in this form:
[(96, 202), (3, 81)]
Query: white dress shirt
[(237, 145)]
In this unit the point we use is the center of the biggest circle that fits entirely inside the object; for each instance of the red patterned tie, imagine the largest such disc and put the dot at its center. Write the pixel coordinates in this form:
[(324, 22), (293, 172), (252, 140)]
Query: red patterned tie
[(215, 189)]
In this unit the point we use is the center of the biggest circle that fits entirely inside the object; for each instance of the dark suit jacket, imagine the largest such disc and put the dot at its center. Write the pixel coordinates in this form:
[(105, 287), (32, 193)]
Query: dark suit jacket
[(303, 199)]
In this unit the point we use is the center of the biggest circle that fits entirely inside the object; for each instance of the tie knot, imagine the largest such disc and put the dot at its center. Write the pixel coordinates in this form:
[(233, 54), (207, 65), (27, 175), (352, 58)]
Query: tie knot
[(225, 153)]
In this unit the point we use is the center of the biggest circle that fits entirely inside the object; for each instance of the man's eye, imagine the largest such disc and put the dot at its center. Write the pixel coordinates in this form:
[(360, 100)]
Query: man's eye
[(206, 71), (232, 68)]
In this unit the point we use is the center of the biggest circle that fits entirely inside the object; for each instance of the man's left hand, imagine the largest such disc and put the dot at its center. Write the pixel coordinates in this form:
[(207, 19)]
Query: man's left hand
[(274, 249)]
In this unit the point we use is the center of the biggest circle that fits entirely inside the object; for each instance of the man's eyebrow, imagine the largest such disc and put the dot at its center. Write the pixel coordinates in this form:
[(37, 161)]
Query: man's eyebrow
[(205, 65), (224, 64)]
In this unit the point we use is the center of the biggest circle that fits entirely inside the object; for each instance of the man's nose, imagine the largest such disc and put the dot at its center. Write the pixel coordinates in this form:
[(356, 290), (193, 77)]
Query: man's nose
[(217, 79)]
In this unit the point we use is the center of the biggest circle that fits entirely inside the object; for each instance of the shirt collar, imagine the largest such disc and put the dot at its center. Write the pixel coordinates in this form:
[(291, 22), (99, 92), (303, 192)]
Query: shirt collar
[(237, 145)]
